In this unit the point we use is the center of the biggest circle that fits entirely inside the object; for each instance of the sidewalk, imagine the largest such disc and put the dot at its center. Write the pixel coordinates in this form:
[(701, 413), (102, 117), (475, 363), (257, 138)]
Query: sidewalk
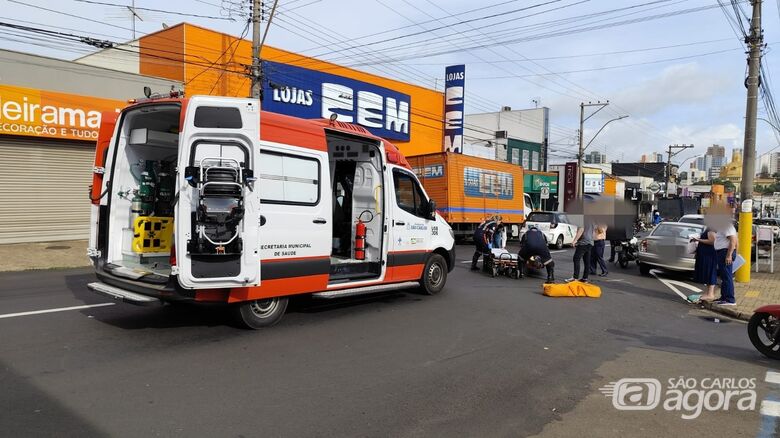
[(764, 288), (44, 255)]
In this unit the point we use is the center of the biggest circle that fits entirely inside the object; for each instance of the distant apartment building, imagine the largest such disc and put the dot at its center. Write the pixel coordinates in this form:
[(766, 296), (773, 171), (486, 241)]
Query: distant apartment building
[(654, 157), (768, 163), (595, 157), (714, 172), (712, 162), (716, 151)]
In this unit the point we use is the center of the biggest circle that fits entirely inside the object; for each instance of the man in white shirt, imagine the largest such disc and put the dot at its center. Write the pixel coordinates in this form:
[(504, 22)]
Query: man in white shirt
[(725, 246)]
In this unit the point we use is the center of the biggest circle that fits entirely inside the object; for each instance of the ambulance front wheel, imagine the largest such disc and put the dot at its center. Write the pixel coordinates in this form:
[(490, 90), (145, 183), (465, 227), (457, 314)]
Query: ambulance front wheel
[(434, 275), (257, 314)]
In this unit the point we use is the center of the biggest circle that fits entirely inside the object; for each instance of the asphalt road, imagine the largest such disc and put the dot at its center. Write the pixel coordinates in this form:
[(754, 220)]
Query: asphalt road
[(486, 357)]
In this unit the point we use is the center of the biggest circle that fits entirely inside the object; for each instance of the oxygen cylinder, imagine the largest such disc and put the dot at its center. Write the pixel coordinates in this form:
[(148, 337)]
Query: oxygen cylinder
[(146, 193), (136, 208), (360, 240)]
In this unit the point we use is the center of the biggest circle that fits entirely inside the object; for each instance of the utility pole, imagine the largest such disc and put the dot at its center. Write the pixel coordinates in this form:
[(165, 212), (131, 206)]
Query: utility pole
[(755, 43), (668, 175), (581, 152), (257, 17)]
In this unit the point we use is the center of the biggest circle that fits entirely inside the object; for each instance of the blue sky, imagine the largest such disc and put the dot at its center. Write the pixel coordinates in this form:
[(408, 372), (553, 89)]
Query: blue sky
[(692, 93)]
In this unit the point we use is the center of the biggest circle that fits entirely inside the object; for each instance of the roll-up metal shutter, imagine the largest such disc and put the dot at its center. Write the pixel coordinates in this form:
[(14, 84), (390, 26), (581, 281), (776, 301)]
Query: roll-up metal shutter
[(43, 190)]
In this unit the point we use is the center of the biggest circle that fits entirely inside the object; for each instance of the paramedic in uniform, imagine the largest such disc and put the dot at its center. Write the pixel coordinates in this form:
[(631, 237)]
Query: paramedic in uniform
[(534, 243), (483, 236)]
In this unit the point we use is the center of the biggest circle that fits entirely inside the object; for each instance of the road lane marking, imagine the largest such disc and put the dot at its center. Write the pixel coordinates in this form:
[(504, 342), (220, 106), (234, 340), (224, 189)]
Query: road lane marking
[(770, 408), (672, 284), (60, 309), (772, 377), (557, 251)]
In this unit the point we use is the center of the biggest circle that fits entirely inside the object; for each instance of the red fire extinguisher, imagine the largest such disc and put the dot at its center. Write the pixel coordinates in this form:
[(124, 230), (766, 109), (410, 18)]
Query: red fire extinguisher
[(360, 240), (360, 236)]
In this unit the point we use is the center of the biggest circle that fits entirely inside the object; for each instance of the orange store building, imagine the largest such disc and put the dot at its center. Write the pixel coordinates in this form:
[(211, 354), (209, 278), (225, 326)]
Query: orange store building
[(295, 84), (50, 112)]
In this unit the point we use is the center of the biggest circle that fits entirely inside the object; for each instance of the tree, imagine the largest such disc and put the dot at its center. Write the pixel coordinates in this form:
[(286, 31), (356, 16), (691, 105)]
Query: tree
[(728, 185)]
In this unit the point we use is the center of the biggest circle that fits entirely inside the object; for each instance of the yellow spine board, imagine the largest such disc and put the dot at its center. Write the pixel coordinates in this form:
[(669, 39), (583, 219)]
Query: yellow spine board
[(152, 234)]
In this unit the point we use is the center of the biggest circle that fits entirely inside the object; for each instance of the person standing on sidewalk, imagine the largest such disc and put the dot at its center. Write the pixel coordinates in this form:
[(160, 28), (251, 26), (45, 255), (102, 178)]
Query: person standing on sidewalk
[(583, 244), (725, 247), (597, 256), (705, 270)]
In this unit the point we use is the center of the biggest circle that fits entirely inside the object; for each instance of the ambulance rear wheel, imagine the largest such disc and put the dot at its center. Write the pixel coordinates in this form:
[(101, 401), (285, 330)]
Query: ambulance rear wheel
[(257, 314), (434, 275)]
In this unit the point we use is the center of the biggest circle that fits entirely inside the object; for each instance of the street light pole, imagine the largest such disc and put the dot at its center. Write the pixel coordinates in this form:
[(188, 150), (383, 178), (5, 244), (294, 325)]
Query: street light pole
[(582, 153), (669, 163)]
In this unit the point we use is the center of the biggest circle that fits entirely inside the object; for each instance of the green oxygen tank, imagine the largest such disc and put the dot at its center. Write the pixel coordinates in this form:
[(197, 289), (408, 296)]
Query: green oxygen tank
[(146, 194), (165, 184)]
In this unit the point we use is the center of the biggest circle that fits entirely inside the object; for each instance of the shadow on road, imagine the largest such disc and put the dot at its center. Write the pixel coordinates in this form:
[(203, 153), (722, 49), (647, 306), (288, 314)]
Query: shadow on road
[(707, 346), (28, 411)]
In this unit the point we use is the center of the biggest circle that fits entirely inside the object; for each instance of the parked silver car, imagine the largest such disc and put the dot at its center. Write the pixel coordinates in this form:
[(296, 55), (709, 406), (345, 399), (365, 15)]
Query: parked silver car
[(666, 247)]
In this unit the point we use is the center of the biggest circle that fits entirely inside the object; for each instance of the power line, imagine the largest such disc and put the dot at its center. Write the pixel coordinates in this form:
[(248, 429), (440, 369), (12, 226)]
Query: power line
[(586, 55), (184, 14), (555, 34), (485, 17), (611, 67)]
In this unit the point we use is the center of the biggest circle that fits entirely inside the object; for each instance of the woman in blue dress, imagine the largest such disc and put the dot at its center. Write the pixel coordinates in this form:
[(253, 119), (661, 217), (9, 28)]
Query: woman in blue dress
[(706, 268)]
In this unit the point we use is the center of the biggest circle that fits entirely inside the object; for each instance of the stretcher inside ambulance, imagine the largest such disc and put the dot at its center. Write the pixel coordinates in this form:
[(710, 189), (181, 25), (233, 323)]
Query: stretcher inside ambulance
[(209, 199)]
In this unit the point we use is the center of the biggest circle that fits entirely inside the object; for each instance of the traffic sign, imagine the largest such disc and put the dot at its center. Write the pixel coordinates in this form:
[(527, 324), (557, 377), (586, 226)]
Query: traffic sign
[(544, 192), (654, 187)]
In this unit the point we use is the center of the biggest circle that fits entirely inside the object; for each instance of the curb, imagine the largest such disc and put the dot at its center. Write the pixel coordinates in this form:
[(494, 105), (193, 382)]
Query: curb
[(732, 312)]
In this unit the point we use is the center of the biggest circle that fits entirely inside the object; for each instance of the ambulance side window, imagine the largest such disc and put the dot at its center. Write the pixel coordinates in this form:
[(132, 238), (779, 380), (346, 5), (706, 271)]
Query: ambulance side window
[(408, 194), (289, 179)]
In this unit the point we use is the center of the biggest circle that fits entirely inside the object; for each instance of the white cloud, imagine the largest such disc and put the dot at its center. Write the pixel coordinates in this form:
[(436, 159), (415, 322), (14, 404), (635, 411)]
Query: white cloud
[(682, 84)]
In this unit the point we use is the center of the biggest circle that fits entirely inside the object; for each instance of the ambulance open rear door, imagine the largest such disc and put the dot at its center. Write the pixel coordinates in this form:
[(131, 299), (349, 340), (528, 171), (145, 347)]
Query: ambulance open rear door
[(217, 218)]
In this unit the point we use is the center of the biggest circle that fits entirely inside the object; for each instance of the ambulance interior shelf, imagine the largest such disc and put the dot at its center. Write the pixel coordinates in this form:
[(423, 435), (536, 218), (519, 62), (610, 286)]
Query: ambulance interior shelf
[(143, 179), (357, 181)]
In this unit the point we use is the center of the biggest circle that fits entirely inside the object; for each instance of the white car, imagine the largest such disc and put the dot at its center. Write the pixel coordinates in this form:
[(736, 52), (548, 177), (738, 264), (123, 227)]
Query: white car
[(556, 227), (692, 219)]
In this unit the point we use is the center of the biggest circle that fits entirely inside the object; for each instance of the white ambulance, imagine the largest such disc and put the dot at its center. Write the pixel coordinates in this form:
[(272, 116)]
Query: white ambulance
[(209, 199)]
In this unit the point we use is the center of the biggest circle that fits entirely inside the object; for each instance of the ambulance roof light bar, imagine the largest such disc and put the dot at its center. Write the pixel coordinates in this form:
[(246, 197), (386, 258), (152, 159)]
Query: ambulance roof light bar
[(152, 96)]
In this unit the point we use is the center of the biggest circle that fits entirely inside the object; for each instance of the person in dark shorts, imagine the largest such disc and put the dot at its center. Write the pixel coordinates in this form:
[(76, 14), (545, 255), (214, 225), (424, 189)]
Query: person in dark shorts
[(534, 243), (483, 238), (583, 244)]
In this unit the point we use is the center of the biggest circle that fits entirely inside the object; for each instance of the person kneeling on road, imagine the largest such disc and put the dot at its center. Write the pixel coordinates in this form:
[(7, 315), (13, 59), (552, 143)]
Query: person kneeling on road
[(534, 243), (483, 238)]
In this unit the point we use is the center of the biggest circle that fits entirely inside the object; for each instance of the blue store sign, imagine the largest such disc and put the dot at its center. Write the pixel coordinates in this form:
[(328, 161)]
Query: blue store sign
[(484, 183), (312, 94), (454, 92)]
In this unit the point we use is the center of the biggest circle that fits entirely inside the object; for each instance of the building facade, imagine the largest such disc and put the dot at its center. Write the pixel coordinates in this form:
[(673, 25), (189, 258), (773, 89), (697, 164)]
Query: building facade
[(50, 112), (768, 164), (519, 136)]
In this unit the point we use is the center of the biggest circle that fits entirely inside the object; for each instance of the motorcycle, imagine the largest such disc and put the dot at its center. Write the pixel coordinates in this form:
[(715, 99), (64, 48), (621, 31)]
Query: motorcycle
[(764, 330), (627, 252)]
